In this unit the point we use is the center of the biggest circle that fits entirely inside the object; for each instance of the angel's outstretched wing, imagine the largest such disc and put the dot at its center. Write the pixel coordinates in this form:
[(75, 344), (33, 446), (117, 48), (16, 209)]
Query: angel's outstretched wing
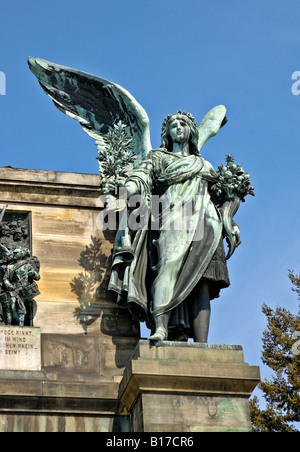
[(210, 124), (96, 103)]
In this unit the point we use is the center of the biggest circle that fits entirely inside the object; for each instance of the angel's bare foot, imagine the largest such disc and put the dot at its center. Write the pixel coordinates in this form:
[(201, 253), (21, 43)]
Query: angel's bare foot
[(160, 334), (161, 328)]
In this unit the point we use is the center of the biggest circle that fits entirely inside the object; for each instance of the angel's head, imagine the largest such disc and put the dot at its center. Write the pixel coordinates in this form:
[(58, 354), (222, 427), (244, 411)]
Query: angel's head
[(180, 127)]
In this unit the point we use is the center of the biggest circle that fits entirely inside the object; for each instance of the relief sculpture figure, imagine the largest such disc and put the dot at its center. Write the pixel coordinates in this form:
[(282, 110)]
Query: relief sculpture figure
[(21, 288), (18, 273)]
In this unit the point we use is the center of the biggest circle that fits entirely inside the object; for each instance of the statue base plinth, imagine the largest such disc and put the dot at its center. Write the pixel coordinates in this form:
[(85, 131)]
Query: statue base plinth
[(187, 387), (20, 348)]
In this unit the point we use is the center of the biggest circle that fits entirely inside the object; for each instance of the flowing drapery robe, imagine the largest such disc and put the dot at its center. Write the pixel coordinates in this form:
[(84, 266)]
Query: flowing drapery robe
[(156, 266)]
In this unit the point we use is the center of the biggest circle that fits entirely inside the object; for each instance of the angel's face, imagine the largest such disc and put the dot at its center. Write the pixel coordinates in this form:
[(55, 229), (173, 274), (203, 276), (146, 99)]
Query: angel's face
[(179, 130)]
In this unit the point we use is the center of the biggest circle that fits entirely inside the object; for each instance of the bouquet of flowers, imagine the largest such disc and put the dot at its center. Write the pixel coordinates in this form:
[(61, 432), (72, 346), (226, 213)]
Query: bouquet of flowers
[(231, 181)]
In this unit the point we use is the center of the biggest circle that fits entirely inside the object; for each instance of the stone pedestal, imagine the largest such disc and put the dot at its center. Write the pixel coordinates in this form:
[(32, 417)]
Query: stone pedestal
[(76, 383), (187, 387), (86, 340)]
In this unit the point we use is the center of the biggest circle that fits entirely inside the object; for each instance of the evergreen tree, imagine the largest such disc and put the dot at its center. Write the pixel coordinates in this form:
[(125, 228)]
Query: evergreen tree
[(281, 352)]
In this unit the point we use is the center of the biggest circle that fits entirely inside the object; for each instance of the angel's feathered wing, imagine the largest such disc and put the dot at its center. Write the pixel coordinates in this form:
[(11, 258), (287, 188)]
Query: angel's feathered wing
[(96, 103), (211, 123)]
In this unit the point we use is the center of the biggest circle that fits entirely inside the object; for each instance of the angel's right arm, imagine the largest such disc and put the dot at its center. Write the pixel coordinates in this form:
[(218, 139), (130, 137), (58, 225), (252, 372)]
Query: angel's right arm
[(140, 182), (132, 188)]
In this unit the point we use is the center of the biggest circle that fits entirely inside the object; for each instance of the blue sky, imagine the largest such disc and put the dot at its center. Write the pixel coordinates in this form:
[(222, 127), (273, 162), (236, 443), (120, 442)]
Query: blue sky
[(172, 55)]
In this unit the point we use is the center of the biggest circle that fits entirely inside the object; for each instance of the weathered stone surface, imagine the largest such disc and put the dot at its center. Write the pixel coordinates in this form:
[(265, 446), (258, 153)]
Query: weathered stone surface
[(28, 423), (20, 348), (86, 340), (64, 210), (75, 255), (187, 388)]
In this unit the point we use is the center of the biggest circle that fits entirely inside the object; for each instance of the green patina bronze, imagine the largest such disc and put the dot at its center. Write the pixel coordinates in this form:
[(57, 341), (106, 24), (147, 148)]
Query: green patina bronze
[(169, 259), (18, 273)]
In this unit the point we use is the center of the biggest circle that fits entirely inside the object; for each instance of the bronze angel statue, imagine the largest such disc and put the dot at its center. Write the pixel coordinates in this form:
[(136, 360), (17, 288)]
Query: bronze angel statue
[(165, 275)]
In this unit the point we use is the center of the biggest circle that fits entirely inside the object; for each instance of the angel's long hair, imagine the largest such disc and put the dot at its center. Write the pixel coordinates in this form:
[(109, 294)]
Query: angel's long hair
[(166, 140)]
